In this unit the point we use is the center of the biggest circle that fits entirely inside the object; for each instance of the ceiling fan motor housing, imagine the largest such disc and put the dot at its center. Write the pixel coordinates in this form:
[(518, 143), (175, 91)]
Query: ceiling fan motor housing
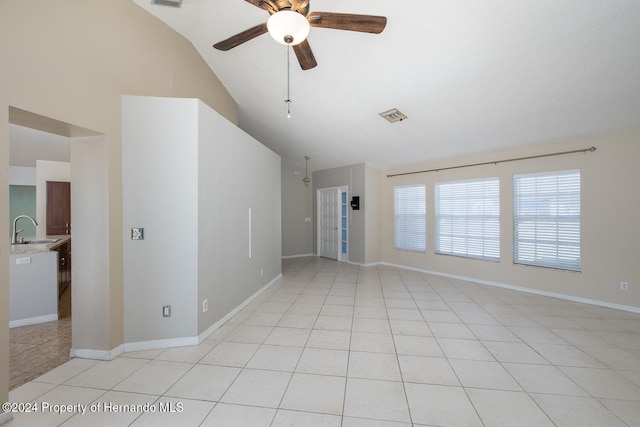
[(277, 5)]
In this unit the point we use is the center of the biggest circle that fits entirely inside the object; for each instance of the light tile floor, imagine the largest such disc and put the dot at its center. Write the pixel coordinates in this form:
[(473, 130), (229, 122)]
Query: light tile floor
[(339, 345)]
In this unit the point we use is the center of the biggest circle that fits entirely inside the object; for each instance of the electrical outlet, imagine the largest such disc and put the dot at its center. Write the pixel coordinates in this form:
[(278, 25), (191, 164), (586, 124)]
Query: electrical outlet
[(624, 286), (166, 311), (205, 306), (24, 260)]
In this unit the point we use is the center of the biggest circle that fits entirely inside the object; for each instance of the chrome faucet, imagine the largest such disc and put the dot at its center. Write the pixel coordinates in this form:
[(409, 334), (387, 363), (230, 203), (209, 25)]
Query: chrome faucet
[(14, 235)]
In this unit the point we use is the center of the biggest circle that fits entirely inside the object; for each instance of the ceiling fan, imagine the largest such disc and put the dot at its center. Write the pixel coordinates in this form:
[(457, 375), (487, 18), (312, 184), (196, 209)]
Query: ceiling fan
[(289, 24)]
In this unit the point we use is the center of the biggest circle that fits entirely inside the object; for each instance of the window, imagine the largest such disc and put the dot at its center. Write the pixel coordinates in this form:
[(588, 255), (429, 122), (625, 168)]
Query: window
[(547, 219), (468, 218), (410, 218)]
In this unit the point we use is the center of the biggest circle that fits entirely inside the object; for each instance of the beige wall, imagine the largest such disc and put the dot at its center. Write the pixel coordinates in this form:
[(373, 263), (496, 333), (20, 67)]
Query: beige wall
[(4, 254), (373, 204), (297, 234), (610, 207), (71, 61)]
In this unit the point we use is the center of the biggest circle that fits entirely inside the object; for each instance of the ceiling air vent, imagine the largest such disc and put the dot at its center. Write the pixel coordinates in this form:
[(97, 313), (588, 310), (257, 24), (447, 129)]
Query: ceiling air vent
[(393, 115), (172, 3)]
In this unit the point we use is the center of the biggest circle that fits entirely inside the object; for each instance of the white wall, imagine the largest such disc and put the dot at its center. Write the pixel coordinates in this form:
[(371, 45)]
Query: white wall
[(189, 179), (235, 258), (159, 185), (22, 175)]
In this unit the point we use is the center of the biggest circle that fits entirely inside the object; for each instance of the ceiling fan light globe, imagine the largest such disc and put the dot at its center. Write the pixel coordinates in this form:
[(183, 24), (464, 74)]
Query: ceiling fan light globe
[(287, 25)]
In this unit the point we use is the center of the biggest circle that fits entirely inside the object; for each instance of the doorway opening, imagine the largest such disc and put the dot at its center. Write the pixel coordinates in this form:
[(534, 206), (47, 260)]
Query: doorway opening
[(41, 151), (333, 223)]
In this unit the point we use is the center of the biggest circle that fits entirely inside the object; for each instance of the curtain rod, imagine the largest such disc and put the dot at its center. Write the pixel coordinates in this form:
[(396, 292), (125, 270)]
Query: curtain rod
[(583, 150)]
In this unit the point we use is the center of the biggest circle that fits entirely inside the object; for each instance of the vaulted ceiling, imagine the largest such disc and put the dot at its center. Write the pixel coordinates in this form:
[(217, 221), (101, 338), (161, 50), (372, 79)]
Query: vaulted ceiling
[(471, 75)]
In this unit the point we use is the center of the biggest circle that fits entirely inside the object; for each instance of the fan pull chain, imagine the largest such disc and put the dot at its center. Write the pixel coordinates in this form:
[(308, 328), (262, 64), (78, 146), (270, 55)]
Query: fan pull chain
[(288, 100)]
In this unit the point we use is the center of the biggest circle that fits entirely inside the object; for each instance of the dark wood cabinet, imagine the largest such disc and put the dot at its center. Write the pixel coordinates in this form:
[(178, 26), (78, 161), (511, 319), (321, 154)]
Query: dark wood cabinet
[(58, 208), (64, 266)]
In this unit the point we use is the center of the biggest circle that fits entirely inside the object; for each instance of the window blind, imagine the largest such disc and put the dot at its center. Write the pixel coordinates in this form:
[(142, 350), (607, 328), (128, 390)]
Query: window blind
[(468, 218), (410, 218), (547, 219)]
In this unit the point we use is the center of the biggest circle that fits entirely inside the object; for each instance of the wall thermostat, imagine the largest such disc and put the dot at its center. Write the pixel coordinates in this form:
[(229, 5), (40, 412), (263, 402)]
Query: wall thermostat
[(355, 203)]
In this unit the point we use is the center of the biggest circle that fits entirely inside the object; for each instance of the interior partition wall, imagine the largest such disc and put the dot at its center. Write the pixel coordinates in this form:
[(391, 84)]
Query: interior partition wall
[(190, 179)]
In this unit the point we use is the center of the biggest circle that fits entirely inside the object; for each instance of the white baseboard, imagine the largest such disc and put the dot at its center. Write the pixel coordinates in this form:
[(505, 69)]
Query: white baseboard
[(33, 320), (372, 264), (296, 256), (523, 289), (84, 353), (195, 340), (5, 417), (164, 343), (211, 329)]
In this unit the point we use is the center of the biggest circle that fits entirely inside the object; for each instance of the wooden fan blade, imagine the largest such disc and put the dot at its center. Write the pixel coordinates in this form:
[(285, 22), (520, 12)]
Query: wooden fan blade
[(305, 55), (347, 21), (242, 37)]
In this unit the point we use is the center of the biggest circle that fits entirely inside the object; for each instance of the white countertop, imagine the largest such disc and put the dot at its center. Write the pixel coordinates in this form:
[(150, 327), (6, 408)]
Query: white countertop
[(27, 248)]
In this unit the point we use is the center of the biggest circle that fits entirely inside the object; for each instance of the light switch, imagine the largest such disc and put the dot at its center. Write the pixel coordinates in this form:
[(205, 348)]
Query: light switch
[(307, 219), (137, 234)]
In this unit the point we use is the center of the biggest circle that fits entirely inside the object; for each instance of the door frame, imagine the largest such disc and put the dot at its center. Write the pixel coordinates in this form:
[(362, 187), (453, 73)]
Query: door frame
[(342, 257)]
